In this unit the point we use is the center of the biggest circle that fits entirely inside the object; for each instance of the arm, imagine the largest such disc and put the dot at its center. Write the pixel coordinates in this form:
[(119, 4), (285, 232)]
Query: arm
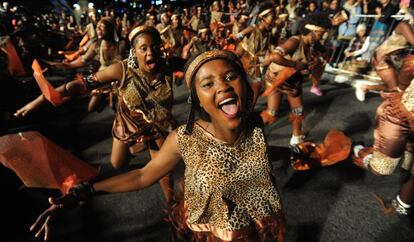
[(76, 87), (278, 56), (363, 49), (79, 62), (168, 156)]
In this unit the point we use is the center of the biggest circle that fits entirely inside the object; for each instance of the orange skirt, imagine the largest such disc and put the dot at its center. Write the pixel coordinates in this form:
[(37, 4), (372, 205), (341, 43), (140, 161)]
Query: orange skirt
[(271, 228)]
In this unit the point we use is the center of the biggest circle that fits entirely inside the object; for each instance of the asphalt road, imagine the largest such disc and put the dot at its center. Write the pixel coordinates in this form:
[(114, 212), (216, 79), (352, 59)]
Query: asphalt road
[(326, 204)]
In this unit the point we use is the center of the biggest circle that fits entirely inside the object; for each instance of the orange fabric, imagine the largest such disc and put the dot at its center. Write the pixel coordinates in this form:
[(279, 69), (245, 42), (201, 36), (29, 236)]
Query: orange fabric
[(272, 82), (84, 40), (335, 148), (47, 89), (15, 65), (179, 74), (41, 163), (230, 47)]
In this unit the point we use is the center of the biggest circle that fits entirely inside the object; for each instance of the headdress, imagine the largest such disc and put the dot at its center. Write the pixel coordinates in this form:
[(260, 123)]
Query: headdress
[(313, 27), (142, 29), (265, 8)]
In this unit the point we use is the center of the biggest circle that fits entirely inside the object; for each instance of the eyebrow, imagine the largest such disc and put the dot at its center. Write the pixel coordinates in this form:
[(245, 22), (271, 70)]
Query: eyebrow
[(208, 76)]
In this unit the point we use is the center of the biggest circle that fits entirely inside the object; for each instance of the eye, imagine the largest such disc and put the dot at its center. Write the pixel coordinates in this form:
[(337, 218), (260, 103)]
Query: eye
[(206, 83), (143, 49), (231, 76)]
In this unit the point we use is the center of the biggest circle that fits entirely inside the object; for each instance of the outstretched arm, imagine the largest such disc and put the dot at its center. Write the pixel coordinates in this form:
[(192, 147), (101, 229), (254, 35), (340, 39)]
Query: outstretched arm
[(80, 85), (167, 158)]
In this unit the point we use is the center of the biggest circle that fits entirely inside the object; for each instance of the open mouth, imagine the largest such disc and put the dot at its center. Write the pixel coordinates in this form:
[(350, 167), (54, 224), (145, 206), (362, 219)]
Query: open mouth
[(229, 107), (151, 64)]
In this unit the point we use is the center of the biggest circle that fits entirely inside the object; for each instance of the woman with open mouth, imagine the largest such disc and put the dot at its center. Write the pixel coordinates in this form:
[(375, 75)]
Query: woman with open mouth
[(229, 192), (143, 83)]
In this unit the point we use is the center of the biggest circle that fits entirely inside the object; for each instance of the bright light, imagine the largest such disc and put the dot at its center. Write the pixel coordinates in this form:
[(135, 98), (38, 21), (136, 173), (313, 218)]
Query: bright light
[(90, 5), (76, 6)]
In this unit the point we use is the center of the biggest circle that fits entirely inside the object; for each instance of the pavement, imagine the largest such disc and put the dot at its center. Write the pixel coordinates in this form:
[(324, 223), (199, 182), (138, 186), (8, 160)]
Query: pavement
[(333, 203)]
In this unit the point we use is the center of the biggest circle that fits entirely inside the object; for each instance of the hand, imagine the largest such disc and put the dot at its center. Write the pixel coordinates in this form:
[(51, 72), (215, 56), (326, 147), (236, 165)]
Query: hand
[(299, 65), (28, 108), (58, 205), (348, 54)]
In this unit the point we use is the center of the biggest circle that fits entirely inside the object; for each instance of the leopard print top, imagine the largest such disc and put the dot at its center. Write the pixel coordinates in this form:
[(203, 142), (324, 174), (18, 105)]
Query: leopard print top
[(227, 186)]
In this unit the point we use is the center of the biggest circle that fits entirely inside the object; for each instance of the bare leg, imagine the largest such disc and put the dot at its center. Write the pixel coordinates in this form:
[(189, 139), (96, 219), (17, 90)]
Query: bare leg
[(269, 115), (407, 191), (256, 86), (119, 154), (296, 106), (167, 182)]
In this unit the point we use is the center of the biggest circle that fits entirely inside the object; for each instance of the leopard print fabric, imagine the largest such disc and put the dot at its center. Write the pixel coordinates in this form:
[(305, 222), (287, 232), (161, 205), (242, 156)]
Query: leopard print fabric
[(227, 186)]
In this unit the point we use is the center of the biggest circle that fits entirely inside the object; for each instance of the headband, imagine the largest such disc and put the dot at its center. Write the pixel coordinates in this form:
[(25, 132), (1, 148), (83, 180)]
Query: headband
[(313, 27), (142, 29), (203, 30), (264, 12), (206, 57)]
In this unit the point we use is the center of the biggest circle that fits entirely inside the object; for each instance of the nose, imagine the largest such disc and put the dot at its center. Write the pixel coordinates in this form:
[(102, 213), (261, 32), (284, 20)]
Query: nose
[(223, 87)]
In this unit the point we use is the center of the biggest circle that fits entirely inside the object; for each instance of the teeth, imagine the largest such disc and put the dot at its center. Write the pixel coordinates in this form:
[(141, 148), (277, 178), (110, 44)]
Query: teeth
[(226, 101)]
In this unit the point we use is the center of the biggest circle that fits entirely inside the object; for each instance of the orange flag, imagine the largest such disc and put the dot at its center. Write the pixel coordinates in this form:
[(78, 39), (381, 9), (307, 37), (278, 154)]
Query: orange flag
[(335, 148), (15, 65), (40, 163), (47, 89)]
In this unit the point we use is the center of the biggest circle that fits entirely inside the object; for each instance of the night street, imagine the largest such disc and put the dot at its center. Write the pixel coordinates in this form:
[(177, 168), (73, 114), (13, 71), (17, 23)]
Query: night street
[(328, 204)]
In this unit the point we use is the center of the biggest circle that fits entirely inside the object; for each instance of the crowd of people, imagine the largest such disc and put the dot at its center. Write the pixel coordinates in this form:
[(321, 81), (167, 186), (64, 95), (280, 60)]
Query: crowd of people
[(228, 54)]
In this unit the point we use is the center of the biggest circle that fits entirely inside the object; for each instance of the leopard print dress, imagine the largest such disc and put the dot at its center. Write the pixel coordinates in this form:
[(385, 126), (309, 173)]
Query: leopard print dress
[(227, 188)]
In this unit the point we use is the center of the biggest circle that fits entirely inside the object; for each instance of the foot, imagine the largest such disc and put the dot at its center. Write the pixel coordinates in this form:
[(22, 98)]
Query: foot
[(392, 206), (316, 90), (360, 90), (296, 139), (267, 117), (362, 156)]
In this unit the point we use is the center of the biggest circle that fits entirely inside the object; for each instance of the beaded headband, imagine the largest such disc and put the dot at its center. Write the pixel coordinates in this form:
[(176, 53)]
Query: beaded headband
[(206, 57), (264, 12), (313, 27), (141, 29)]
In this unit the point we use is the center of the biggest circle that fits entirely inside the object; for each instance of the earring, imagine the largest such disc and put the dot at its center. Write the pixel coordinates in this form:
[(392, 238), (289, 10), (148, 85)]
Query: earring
[(132, 60)]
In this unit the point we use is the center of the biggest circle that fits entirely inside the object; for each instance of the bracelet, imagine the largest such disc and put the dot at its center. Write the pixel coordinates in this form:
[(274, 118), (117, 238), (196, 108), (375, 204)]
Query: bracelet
[(83, 191), (91, 82), (240, 35)]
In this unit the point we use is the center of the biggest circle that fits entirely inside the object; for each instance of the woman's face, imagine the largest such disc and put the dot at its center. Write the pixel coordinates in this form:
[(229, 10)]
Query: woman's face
[(317, 35), (269, 20), (222, 92), (175, 22), (312, 6), (102, 30), (147, 52)]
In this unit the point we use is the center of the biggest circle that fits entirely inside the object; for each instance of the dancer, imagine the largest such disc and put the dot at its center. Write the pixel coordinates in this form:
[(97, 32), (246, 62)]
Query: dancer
[(229, 194), (392, 78), (255, 44), (144, 85), (287, 65)]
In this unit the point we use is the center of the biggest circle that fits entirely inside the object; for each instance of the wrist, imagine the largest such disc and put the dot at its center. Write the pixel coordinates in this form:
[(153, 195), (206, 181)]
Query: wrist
[(83, 191)]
